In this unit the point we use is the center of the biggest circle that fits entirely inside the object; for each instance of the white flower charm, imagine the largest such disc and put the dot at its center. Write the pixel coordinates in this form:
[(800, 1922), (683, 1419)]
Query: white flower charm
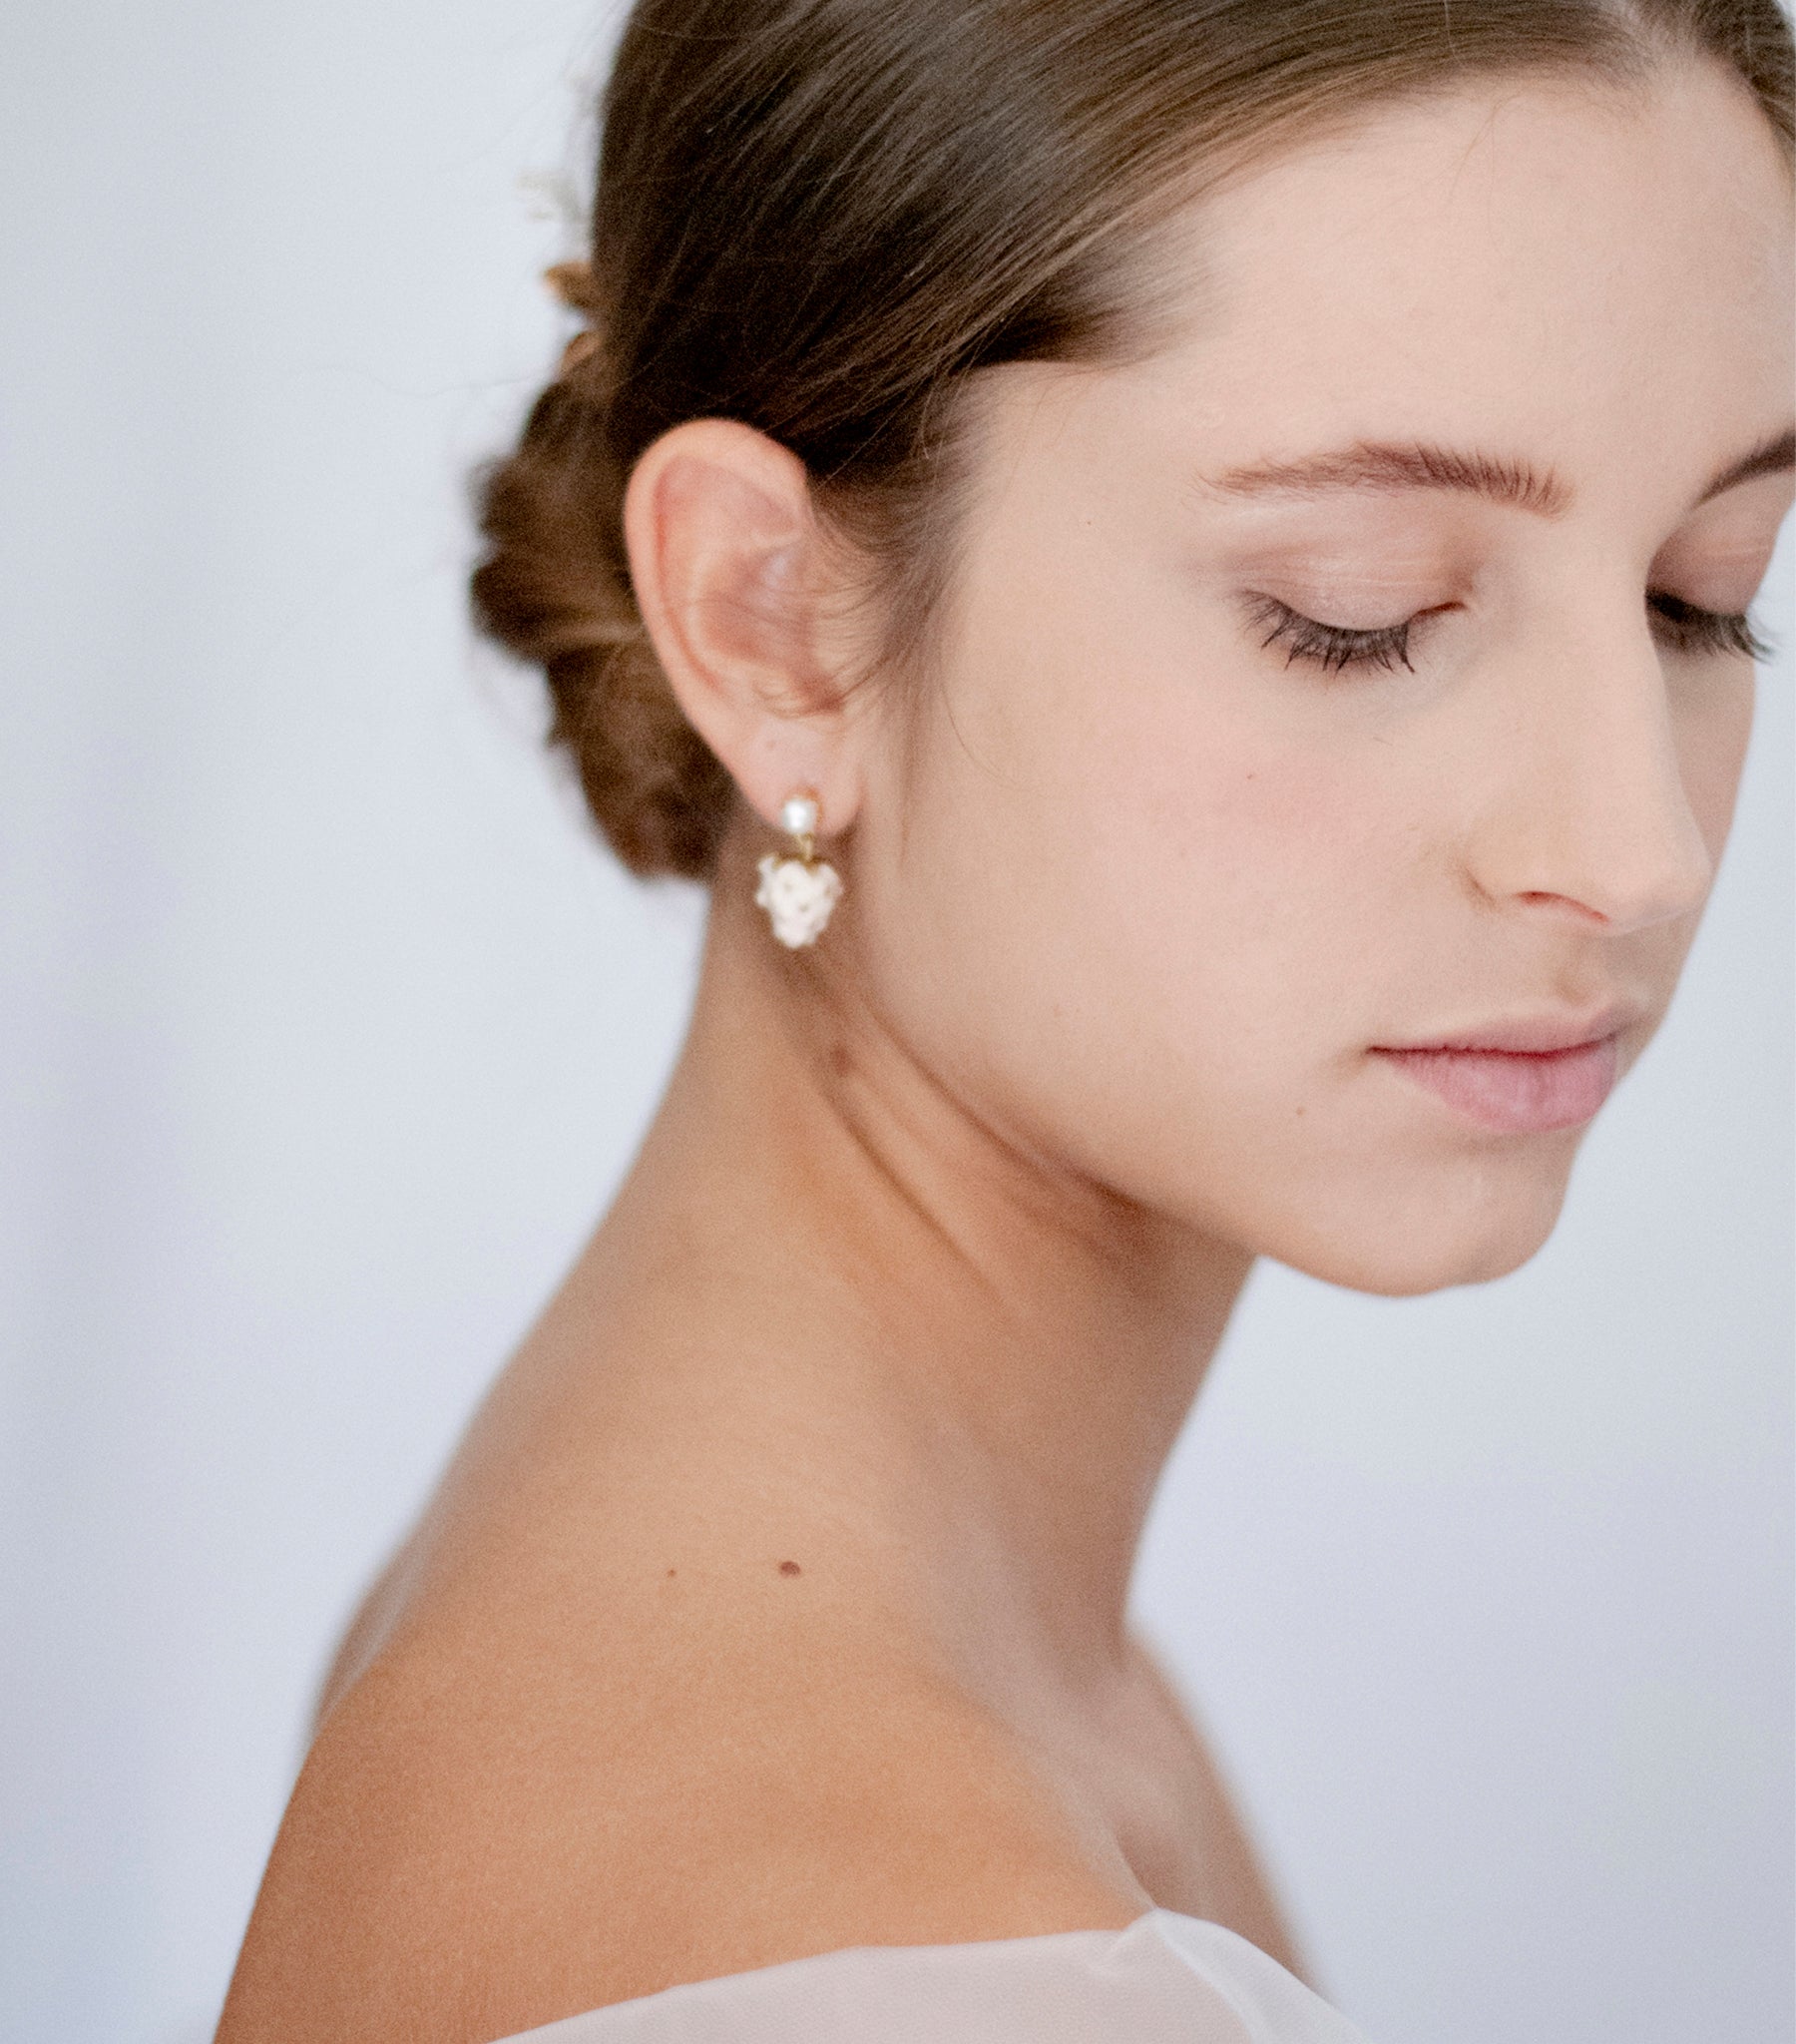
[(798, 897), (800, 890)]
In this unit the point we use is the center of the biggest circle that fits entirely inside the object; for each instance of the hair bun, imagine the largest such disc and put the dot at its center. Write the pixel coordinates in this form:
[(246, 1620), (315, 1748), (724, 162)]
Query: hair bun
[(574, 286), (554, 589)]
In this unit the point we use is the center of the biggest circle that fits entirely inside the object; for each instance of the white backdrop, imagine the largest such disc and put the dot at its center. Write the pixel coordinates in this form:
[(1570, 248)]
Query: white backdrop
[(326, 1031)]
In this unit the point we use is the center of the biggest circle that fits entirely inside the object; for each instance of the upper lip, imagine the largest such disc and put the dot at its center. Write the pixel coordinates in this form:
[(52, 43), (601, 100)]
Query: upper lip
[(1540, 1030)]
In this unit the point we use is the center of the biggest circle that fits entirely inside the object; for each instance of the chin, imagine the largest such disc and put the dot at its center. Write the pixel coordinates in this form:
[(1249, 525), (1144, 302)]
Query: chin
[(1403, 1248)]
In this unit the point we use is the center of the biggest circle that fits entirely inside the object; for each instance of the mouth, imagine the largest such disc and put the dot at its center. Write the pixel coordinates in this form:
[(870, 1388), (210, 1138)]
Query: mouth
[(1527, 1077)]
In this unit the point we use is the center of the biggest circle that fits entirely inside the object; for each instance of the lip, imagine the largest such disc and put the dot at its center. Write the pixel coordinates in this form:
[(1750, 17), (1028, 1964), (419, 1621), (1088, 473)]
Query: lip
[(1523, 1074)]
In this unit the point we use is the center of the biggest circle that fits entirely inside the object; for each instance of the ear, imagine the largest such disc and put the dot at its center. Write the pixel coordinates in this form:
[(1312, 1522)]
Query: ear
[(731, 572)]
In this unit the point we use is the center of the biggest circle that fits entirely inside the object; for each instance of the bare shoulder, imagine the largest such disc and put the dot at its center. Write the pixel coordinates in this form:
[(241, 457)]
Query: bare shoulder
[(501, 1824)]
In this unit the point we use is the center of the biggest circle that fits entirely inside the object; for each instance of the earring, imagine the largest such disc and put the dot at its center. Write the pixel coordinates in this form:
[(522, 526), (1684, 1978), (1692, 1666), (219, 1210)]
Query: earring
[(800, 890)]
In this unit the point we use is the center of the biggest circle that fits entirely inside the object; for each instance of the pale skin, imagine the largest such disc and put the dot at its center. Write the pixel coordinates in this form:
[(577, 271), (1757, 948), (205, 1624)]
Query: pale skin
[(932, 1238)]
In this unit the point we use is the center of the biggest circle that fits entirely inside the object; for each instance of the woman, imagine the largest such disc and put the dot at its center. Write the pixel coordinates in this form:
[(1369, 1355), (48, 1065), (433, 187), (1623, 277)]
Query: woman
[(1181, 568)]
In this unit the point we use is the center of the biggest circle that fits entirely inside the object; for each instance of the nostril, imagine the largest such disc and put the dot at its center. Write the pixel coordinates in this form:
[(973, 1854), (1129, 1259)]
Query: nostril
[(1582, 910)]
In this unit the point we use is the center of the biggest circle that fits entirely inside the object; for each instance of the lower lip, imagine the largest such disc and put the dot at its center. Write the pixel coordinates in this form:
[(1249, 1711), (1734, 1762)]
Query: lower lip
[(1519, 1091)]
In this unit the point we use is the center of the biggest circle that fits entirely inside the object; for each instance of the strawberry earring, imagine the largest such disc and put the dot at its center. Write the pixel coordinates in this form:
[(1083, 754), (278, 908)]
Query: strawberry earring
[(800, 890)]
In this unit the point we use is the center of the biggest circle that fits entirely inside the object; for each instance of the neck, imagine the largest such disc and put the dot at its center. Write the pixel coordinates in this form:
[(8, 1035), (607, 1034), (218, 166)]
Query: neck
[(987, 1358)]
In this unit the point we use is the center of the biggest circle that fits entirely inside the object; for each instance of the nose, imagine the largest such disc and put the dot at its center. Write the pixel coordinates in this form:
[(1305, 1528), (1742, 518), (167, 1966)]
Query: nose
[(1590, 811)]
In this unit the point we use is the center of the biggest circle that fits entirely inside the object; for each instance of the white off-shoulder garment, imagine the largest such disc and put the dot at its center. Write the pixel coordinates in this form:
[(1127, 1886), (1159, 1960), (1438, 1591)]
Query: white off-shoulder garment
[(1167, 1979)]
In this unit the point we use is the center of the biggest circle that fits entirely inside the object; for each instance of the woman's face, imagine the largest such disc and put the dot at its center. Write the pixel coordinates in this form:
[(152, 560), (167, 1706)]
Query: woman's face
[(1164, 877)]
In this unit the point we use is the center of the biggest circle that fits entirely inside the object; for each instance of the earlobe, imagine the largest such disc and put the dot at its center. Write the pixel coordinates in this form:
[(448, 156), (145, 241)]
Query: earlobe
[(730, 573)]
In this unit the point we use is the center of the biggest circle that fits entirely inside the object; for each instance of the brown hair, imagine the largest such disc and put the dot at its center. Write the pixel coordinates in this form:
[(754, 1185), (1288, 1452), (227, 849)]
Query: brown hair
[(819, 217)]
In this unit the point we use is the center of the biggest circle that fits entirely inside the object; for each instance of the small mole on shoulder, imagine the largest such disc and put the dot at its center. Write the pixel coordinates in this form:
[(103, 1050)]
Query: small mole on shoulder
[(790, 1568), (673, 1572)]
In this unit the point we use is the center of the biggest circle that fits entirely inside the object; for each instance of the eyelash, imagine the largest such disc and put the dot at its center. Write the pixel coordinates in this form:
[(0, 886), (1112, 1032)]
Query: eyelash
[(1334, 647), (1700, 631)]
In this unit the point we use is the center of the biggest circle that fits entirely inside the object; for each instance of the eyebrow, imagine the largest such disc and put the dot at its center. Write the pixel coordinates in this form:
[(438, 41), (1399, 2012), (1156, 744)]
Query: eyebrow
[(1775, 457), (1369, 464), (1421, 465)]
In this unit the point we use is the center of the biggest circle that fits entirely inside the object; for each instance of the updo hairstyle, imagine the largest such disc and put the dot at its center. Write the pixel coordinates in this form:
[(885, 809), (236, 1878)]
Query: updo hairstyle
[(821, 216)]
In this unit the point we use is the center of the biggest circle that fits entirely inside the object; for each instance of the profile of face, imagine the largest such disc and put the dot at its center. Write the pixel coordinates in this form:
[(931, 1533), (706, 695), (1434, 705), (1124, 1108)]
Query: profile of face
[(1236, 778), (1360, 673)]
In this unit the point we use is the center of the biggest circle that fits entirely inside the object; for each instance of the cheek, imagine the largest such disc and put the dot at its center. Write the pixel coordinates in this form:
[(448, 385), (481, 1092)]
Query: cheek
[(1150, 775), (1236, 830), (1250, 895), (1713, 719), (1166, 873), (1147, 915)]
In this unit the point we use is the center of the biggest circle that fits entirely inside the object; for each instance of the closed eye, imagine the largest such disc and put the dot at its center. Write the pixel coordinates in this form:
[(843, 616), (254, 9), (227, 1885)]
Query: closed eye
[(1690, 629), (1331, 647), (1685, 627)]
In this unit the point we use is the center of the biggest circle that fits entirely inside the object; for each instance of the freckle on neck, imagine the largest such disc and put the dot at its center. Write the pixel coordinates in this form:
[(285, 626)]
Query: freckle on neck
[(790, 1568)]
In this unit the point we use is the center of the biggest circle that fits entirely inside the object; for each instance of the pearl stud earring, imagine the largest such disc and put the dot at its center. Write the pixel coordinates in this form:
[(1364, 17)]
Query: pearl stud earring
[(800, 890)]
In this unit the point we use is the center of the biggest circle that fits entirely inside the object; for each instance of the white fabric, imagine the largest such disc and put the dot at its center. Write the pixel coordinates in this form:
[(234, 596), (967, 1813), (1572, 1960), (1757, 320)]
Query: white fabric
[(1167, 1979)]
